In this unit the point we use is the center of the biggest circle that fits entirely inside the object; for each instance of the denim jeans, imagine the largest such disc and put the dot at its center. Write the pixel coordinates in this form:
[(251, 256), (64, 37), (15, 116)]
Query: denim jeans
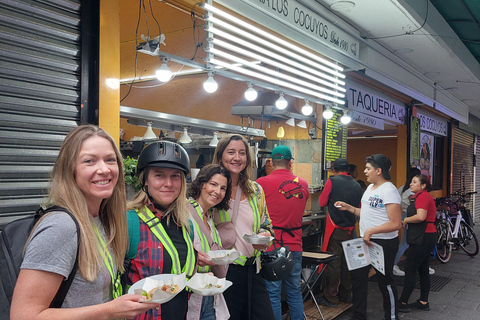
[(292, 290), (208, 311)]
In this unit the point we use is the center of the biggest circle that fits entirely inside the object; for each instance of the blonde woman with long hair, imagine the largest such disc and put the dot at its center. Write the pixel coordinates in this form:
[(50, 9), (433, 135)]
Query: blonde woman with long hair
[(248, 297), (165, 243), (87, 180)]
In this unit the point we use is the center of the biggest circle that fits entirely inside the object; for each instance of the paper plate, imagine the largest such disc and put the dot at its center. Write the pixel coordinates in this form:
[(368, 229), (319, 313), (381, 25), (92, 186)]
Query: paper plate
[(205, 284), (256, 239), (223, 257), (159, 280)]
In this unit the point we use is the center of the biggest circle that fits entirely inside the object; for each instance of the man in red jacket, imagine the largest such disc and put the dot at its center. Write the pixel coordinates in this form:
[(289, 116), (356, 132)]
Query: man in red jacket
[(286, 196)]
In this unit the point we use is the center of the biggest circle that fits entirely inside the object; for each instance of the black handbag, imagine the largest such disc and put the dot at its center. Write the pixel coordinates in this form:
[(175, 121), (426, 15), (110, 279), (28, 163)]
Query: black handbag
[(276, 264)]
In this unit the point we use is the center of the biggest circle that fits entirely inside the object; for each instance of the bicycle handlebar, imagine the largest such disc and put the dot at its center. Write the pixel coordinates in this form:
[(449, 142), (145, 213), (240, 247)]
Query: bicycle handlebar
[(462, 198)]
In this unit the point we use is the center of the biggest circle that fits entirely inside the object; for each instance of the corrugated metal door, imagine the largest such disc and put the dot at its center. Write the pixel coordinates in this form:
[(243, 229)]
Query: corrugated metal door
[(476, 198), (40, 68), (462, 167)]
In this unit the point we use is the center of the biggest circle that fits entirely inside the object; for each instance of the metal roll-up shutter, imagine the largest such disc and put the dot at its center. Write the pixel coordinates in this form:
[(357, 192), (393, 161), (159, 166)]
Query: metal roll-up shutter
[(476, 197), (462, 167), (40, 53)]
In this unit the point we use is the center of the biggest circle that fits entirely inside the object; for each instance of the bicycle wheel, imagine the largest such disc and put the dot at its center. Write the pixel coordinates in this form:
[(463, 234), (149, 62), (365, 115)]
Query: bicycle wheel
[(444, 244), (467, 239)]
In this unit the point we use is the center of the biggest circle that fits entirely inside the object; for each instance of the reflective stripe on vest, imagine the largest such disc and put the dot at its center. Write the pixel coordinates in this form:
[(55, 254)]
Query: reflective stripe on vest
[(224, 216), (107, 258), (203, 239), (158, 230)]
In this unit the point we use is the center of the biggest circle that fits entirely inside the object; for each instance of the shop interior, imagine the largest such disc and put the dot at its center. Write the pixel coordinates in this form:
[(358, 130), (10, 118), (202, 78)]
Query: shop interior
[(180, 108)]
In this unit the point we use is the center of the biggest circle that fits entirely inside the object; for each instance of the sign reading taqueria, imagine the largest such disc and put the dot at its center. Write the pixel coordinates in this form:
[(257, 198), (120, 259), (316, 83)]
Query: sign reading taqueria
[(364, 101)]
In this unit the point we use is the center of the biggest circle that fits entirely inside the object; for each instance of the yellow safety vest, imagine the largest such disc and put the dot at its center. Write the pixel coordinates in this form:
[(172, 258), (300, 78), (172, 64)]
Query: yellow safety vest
[(158, 230), (205, 246), (107, 258), (224, 217)]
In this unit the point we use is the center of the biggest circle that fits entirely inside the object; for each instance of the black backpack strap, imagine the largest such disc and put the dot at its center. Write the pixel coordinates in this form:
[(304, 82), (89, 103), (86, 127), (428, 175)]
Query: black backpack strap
[(65, 286)]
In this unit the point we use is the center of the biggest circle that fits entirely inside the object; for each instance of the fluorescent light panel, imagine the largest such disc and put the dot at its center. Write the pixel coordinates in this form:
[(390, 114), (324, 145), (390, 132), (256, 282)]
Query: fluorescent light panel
[(179, 73), (264, 59), (275, 47), (269, 36), (277, 56), (275, 81), (273, 73)]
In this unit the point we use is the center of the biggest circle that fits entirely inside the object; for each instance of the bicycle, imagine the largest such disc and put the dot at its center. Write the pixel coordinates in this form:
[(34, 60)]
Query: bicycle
[(453, 231)]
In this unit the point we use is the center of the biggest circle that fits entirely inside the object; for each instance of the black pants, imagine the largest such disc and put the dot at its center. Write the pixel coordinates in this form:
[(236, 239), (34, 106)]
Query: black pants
[(418, 259), (337, 274), (386, 284), (247, 298)]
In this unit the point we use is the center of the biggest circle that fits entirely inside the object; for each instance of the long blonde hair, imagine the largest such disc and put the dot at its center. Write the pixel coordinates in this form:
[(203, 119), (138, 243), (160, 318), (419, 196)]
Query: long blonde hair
[(247, 172), (65, 192), (179, 208)]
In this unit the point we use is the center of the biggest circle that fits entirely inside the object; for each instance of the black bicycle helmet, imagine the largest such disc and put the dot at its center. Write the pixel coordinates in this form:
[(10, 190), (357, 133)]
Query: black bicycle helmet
[(276, 264), (164, 154)]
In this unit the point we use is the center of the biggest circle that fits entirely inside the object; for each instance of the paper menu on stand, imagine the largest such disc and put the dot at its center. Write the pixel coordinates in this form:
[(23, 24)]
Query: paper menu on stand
[(358, 255)]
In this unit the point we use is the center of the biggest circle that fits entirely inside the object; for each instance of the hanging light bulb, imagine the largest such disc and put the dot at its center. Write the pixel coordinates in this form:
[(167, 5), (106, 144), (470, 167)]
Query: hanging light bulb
[(302, 124), (210, 85), (281, 103), (328, 113), (250, 93), (214, 141), (290, 122), (149, 134), (307, 109), (345, 119), (184, 138), (164, 74), (280, 132)]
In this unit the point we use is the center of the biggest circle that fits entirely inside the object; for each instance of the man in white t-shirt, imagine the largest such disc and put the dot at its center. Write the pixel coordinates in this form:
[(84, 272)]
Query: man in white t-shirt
[(380, 220)]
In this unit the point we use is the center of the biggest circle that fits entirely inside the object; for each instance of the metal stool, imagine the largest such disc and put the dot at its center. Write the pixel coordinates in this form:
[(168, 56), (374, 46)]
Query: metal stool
[(320, 260)]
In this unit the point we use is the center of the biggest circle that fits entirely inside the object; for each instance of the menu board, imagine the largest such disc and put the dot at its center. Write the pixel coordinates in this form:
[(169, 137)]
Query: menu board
[(335, 140), (415, 142)]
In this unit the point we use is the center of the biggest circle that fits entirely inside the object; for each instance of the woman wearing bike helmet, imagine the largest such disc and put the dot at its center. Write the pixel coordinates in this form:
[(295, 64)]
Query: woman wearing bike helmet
[(164, 246), (421, 237), (248, 297)]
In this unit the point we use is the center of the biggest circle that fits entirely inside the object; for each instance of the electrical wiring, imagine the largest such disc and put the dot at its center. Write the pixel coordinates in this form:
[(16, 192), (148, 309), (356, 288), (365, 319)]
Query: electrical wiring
[(140, 5), (153, 16), (406, 33), (146, 19), (197, 27), (136, 52)]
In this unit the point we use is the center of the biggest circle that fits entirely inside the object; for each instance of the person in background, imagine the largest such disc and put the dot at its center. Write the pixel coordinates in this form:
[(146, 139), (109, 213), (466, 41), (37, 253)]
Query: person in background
[(422, 238), (340, 227), (406, 194), (87, 180), (211, 189), (200, 161), (248, 297), (352, 170), (286, 196), (165, 244), (380, 220)]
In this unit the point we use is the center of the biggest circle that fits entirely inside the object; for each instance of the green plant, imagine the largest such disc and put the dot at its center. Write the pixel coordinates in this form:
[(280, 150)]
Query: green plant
[(129, 171)]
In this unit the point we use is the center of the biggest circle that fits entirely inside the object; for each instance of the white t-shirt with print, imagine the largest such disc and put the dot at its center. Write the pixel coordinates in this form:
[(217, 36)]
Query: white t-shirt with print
[(373, 212)]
